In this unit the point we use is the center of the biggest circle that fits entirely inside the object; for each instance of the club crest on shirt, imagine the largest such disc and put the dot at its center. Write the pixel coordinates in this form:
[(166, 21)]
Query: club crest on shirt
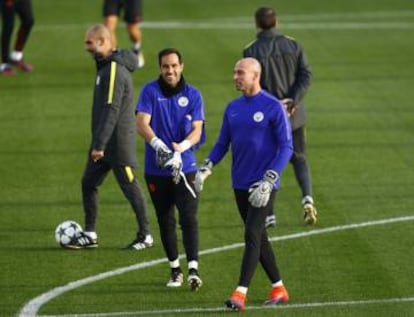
[(98, 80), (183, 101), (258, 116)]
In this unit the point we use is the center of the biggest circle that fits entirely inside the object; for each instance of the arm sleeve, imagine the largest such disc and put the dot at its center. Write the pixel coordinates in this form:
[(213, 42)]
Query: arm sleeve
[(197, 114), (283, 134), (144, 101), (113, 91), (198, 109), (303, 78), (222, 144)]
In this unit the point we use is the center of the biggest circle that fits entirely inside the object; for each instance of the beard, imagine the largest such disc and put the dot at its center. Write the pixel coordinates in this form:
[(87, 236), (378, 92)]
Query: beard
[(98, 57)]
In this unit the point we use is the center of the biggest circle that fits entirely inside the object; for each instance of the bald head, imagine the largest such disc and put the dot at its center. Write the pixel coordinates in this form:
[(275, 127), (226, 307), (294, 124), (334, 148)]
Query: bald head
[(99, 31), (98, 41), (246, 76), (250, 64)]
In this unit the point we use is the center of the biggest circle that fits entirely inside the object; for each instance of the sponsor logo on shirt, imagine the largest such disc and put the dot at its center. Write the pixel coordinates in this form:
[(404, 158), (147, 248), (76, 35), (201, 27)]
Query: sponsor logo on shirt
[(258, 116), (183, 101)]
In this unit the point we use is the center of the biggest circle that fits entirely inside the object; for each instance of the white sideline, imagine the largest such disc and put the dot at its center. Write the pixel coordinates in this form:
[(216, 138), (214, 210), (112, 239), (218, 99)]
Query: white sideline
[(221, 309), (235, 25), (31, 308), (319, 21)]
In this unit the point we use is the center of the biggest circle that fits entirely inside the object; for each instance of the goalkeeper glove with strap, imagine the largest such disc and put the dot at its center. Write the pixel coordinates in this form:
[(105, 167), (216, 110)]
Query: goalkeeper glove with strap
[(203, 172), (259, 192), (163, 153), (175, 163), (157, 144)]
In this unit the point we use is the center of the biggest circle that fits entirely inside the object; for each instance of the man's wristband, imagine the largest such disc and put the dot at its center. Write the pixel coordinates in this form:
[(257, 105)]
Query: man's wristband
[(185, 145)]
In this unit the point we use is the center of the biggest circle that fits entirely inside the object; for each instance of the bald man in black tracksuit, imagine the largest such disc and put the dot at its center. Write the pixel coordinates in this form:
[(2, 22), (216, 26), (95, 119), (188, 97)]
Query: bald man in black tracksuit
[(113, 145), (286, 74)]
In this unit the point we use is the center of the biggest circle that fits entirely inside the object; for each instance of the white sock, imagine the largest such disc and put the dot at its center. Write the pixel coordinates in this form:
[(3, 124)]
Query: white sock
[(307, 200), (242, 289), (278, 283), (137, 46), (3, 66), (91, 234), (16, 56), (193, 265), (175, 264)]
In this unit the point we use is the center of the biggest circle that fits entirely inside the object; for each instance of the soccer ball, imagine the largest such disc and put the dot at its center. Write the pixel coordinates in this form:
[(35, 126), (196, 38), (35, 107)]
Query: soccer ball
[(67, 232)]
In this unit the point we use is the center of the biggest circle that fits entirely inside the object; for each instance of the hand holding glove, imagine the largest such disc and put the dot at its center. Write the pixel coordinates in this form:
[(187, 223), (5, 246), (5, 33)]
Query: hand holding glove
[(203, 172), (167, 159), (175, 163), (172, 161), (157, 144), (162, 153), (261, 190)]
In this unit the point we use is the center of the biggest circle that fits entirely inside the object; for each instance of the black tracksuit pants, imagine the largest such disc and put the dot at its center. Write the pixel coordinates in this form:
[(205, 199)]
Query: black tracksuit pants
[(257, 246), (94, 175), (23, 8), (165, 196)]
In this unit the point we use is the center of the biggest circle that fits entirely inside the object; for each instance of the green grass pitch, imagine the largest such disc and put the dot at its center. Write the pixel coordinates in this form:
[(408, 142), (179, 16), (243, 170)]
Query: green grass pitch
[(360, 147)]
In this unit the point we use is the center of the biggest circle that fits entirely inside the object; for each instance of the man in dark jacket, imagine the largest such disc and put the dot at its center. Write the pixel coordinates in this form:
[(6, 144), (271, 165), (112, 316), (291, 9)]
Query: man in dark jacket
[(113, 137), (286, 74)]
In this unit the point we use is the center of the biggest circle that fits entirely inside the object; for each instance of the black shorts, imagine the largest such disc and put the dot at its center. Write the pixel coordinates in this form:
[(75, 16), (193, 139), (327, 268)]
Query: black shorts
[(132, 9)]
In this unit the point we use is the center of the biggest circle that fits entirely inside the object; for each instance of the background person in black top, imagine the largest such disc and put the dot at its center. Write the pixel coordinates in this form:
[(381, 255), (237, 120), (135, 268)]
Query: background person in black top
[(23, 9), (286, 74), (132, 17)]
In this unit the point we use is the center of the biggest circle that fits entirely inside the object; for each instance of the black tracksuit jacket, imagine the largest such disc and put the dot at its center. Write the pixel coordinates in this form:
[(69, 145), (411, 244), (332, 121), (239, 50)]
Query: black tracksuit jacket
[(113, 111), (285, 70)]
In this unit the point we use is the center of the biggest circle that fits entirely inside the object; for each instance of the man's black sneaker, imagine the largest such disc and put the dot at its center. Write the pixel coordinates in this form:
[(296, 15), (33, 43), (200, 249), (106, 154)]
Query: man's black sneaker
[(84, 241), (140, 243), (194, 280)]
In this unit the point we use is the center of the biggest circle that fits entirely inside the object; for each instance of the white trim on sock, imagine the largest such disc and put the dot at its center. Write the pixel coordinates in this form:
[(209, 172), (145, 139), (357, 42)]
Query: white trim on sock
[(91, 234), (137, 46), (16, 56), (193, 265), (307, 200), (278, 283), (175, 264), (242, 289)]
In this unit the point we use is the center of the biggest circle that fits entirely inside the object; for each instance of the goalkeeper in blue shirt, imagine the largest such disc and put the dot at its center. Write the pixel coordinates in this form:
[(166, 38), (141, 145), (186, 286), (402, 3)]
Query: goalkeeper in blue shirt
[(170, 118), (257, 127)]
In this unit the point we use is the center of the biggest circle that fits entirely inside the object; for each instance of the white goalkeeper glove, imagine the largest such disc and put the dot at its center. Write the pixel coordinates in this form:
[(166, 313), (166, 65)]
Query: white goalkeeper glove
[(162, 153), (203, 172), (261, 190), (175, 163), (157, 144), (167, 159), (172, 161)]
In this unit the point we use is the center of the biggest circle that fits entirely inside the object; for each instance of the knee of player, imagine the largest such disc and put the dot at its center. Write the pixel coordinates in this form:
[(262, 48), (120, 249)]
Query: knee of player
[(28, 24)]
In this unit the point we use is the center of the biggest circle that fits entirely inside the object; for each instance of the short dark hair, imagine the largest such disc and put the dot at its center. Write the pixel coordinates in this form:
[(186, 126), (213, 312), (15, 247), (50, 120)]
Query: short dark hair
[(265, 18), (168, 51)]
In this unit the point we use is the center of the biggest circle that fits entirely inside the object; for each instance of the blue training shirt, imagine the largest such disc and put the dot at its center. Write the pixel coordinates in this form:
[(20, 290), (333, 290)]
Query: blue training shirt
[(171, 120), (258, 129)]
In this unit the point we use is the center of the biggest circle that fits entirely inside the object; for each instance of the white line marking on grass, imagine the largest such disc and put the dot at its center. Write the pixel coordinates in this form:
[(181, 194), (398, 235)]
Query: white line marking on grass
[(31, 308), (331, 21), (239, 25), (188, 25), (261, 307)]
